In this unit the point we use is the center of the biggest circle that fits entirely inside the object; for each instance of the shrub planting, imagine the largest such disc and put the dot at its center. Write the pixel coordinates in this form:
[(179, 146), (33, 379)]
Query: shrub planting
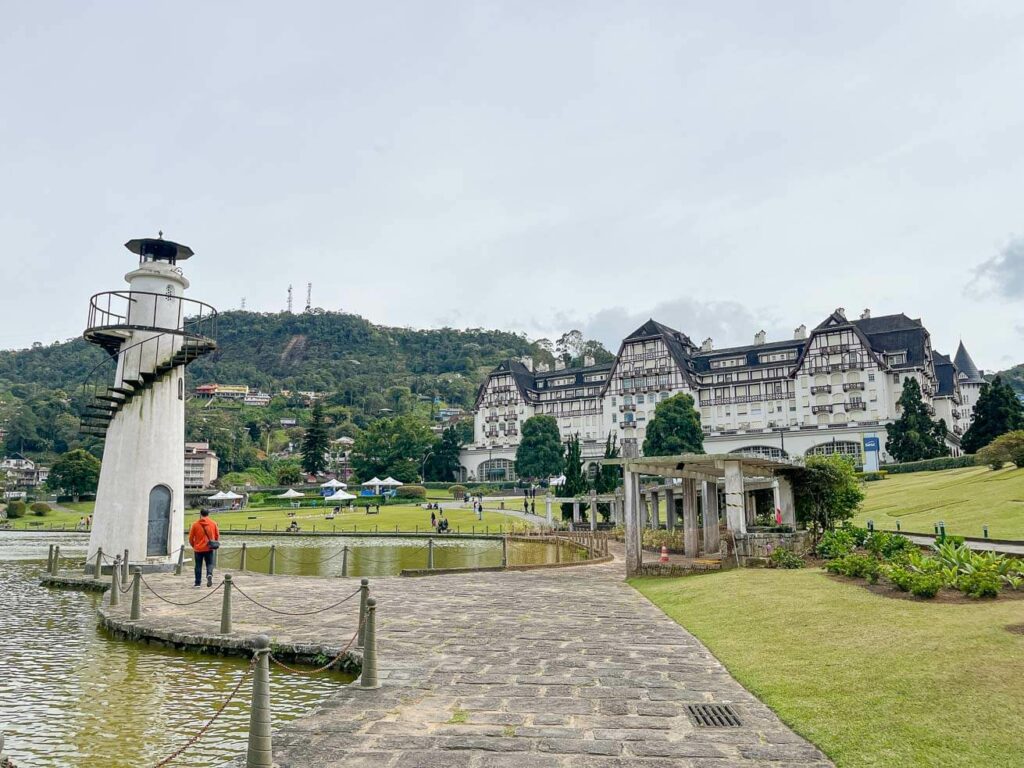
[(40, 508), (835, 543), (925, 584), (412, 492), (15, 509), (783, 558), (980, 583), (457, 491), (931, 465)]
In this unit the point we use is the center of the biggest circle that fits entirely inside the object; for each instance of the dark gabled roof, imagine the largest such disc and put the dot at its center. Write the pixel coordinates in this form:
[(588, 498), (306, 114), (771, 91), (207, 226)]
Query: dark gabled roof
[(966, 366), (578, 375), (896, 333), (702, 360), (650, 329), (521, 375), (945, 372)]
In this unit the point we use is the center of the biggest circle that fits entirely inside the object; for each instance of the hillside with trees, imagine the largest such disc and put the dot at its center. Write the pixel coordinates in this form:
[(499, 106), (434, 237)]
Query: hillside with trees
[(365, 372)]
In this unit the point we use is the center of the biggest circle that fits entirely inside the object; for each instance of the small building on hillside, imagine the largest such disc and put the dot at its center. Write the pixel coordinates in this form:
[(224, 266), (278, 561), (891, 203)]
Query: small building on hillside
[(201, 465), (259, 399), (24, 474)]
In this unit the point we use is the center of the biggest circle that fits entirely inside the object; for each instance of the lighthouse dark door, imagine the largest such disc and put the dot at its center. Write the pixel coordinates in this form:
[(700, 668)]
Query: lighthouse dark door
[(159, 521)]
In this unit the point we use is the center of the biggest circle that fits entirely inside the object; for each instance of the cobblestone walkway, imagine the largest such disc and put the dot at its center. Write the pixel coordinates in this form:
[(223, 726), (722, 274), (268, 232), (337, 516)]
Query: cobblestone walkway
[(566, 668)]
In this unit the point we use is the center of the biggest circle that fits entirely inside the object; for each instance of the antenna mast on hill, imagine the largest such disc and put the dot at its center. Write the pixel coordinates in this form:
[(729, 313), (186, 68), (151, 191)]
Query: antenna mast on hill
[(243, 303), (309, 297), (289, 299)]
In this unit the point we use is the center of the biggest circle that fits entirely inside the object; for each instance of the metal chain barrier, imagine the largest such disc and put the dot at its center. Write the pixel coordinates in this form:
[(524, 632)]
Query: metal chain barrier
[(289, 613), (202, 731), (326, 666), (172, 602)]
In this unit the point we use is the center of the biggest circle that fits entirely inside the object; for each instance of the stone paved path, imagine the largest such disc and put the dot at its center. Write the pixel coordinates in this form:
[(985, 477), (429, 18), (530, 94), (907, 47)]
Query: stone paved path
[(566, 668)]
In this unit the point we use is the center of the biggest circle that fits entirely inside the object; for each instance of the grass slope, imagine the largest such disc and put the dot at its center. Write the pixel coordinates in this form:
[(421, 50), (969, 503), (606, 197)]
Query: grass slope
[(966, 499), (873, 681)]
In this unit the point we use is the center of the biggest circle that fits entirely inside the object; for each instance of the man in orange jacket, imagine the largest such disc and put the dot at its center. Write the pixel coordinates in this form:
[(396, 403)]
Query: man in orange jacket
[(204, 537)]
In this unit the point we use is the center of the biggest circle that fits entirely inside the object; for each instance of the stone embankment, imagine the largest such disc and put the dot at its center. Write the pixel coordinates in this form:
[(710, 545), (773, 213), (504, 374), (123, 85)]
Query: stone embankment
[(555, 668)]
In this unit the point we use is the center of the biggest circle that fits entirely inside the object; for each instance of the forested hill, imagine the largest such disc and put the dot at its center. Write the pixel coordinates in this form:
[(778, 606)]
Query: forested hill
[(1015, 377), (321, 351)]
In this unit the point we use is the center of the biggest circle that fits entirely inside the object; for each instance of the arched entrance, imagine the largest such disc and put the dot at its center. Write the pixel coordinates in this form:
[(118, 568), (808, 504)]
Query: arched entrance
[(159, 529)]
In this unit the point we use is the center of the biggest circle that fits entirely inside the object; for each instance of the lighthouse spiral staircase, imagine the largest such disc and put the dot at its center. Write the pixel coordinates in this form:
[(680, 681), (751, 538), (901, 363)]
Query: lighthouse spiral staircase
[(139, 349)]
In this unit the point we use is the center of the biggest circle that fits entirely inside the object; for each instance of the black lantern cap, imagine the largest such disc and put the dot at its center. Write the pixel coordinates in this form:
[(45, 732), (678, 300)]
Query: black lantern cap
[(158, 249)]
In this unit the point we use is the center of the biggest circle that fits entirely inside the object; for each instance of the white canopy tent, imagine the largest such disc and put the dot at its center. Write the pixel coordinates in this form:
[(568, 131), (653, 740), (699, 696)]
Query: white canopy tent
[(232, 496), (291, 493), (340, 496), (556, 481), (389, 480), (333, 483), (220, 496)]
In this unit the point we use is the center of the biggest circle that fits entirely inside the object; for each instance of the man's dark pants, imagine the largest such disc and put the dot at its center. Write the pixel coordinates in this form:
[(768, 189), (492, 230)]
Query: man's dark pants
[(200, 558)]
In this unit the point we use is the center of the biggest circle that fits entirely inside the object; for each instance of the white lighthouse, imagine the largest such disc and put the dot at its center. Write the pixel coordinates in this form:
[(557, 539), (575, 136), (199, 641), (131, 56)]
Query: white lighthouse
[(151, 332)]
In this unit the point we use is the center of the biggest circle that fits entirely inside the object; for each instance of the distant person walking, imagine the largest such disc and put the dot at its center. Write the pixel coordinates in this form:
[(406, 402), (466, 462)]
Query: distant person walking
[(204, 537)]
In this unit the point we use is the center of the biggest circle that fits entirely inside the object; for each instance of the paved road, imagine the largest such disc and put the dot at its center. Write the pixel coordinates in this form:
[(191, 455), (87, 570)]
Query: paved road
[(560, 668)]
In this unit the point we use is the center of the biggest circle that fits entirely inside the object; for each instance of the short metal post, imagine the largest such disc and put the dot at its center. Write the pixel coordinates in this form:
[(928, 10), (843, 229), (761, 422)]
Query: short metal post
[(49, 560), (368, 677), (241, 562), (898, 526), (504, 551), (260, 753), (984, 531), (124, 568), (364, 594), (56, 560), (942, 529), (181, 561), (115, 585), (136, 613), (273, 558), (871, 526), (225, 607), (430, 554), (344, 561)]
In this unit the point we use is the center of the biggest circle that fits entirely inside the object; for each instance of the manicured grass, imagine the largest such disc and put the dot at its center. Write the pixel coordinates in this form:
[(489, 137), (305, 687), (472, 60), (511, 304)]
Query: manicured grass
[(873, 681), (965, 499), (406, 517)]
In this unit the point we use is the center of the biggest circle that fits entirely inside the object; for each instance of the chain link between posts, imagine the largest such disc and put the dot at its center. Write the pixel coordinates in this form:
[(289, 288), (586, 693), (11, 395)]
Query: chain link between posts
[(239, 590), (202, 731), (172, 602), (330, 663)]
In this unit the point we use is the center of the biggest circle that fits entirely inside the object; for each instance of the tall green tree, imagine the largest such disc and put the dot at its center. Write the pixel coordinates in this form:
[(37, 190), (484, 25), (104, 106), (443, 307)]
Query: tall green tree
[(608, 476), (675, 428), (443, 462), (914, 436), (315, 443), (826, 491), (997, 412), (75, 473), (395, 446), (539, 454), (575, 478)]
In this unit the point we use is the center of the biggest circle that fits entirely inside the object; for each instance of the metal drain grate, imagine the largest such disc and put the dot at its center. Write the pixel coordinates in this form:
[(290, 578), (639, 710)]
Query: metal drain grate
[(713, 715)]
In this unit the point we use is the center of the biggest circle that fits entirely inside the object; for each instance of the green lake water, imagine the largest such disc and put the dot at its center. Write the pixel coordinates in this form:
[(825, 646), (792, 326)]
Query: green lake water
[(70, 695)]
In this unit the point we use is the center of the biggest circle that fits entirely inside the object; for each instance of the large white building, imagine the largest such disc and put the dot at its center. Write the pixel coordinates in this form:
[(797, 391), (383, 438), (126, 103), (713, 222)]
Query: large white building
[(831, 390)]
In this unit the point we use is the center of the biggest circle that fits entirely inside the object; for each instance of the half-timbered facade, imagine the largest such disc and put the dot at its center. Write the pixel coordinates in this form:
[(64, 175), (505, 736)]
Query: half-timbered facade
[(830, 390)]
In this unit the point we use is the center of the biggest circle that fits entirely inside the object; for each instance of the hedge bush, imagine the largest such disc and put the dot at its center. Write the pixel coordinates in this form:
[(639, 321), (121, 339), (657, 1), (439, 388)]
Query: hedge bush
[(412, 491), (457, 491), (932, 465), (783, 558), (40, 508), (926, 584), (980, 583), (15, 509), (836, 543)]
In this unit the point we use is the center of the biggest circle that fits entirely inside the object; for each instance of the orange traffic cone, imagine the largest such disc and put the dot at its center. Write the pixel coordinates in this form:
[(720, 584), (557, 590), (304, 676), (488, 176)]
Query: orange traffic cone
[(664, 554)]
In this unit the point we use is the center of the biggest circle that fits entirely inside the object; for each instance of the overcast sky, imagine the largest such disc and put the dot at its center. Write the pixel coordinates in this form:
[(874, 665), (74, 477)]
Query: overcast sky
[(535, 166)]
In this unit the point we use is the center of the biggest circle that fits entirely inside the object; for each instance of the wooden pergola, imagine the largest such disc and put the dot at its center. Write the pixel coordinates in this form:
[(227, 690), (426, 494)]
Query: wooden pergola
[(700, 475)]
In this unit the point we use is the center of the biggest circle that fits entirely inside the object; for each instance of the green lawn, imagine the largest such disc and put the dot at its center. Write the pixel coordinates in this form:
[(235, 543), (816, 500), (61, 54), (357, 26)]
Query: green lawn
[(873, 681), (965, 499), (406, 517)]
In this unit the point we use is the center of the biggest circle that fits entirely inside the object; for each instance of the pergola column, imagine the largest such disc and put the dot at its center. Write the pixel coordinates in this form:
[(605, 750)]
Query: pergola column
[(750, 502), (593, 510), (575, 512), (670, 512), (784, 500), (710, 503), (547, 509), (735, 511), (656, 519), (632, 521), (690, 546)]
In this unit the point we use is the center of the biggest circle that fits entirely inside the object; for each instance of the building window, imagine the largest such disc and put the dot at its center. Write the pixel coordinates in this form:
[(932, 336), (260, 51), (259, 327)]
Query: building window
[(871, 377), (639, 399)]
